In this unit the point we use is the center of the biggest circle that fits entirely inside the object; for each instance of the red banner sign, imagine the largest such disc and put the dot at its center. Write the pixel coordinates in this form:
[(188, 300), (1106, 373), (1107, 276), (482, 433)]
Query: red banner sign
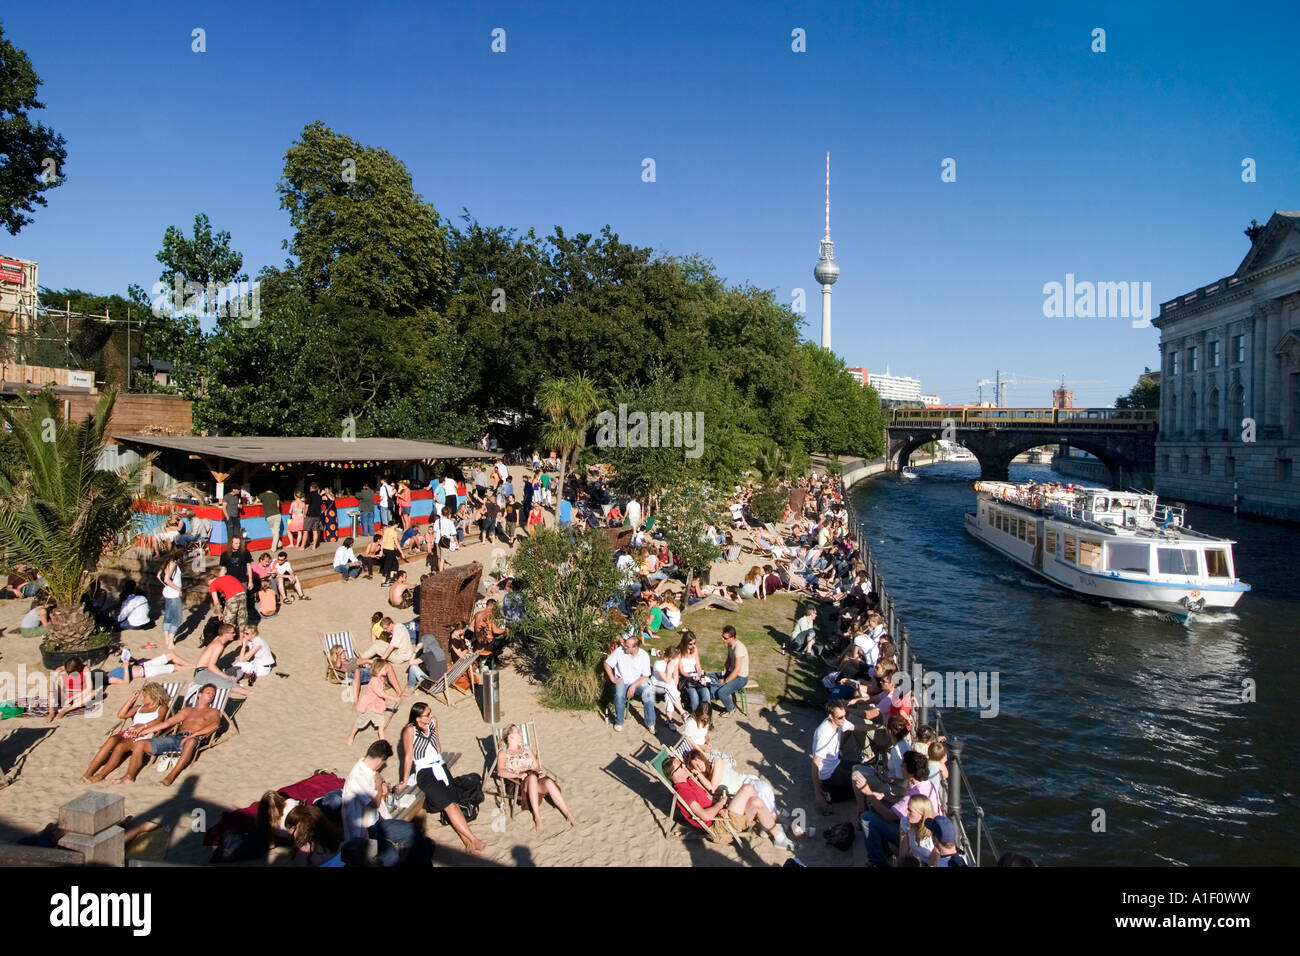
[(11, 271)]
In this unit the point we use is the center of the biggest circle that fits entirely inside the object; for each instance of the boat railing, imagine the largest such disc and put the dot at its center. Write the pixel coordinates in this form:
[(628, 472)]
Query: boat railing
[(960, 794)]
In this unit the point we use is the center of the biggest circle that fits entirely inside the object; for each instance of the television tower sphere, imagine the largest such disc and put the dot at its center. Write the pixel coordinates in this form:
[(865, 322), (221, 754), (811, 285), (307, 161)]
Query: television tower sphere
[(826, 272)]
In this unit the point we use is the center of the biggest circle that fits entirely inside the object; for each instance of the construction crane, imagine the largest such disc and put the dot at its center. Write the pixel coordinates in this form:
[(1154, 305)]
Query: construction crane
[(1000, 384)]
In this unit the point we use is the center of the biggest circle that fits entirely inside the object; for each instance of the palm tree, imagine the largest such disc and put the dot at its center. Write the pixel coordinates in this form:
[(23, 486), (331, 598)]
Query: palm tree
[(59, 512), (570, 406)]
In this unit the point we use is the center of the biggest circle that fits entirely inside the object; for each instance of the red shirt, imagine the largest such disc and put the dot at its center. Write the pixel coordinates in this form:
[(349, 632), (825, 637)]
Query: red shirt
[(227, 586), (691, 792)]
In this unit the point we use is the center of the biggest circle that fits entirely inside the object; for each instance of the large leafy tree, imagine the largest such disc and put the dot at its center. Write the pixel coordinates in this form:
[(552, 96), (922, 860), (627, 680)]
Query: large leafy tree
[(307, 368), (32, 155), (59, 512), (362, 235)]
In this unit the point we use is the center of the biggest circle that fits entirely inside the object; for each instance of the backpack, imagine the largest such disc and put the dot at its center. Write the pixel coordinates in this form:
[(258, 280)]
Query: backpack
[(840, 836), (469, 790)]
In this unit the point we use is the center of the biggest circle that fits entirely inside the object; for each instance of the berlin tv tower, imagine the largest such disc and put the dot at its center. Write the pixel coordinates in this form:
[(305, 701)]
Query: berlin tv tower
[(827, 270)]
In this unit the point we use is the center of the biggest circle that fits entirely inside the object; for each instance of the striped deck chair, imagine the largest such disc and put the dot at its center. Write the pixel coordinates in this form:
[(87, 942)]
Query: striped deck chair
[(509, 791), (658, 762), (439, 687), (341, 639)]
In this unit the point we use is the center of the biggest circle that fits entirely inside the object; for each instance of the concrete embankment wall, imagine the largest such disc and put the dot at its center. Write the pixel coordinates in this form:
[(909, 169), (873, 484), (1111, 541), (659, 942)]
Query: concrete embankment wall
[(854, 470), (1087, 468)]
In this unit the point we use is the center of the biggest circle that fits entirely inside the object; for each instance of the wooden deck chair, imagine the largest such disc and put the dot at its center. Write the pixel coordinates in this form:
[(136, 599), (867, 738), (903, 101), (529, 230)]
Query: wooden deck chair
[(657, 762), (509, 791), (733, 553), (341, 639), (439, 687)]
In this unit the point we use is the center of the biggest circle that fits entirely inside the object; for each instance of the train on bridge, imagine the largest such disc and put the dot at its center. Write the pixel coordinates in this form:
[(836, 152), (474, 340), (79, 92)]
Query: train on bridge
[(992, 417)]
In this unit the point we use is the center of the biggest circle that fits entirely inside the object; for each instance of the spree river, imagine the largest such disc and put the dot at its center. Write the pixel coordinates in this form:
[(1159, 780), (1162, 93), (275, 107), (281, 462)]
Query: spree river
[(1121, 738)]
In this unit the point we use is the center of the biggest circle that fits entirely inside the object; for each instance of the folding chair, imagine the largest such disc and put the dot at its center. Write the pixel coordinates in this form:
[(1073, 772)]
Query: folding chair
[(733, 553), (342, 639), (510, 791), (438, 688), (657, 762)]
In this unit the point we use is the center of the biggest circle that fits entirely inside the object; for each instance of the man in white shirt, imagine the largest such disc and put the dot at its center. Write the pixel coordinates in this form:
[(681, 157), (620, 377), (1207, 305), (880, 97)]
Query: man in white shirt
[(634, 513), (365, 816), (628, 669), (831, 776), (386, 496), (134, 612)]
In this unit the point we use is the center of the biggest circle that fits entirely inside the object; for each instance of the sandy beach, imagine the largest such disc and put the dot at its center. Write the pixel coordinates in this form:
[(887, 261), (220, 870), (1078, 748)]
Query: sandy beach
[(294, 725)]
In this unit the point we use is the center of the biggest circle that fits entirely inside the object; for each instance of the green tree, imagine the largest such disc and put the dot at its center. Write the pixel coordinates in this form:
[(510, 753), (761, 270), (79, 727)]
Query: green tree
[(202, 261), (686, 510), (361, 234), (769, 501), (569, 405), (59, 512), (569, 586), (1145, 394), (32, 155)]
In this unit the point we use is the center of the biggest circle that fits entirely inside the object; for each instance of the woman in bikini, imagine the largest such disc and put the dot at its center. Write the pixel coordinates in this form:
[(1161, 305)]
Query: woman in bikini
[(146, 705), (518, 763)]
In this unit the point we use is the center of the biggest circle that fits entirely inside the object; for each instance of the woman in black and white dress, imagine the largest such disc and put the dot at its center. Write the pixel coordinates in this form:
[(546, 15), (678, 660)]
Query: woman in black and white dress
[(423, 767)]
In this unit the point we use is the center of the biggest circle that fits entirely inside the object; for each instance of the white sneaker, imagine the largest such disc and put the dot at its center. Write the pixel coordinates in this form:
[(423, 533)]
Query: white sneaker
[(618, 728), (780, 840)]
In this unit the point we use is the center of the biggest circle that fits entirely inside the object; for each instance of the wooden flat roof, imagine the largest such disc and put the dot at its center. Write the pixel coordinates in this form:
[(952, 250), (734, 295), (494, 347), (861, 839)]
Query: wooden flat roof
[(254, 450)]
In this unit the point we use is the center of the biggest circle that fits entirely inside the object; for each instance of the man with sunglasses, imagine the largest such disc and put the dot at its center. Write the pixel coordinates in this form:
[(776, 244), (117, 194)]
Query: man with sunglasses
[(832, 777)]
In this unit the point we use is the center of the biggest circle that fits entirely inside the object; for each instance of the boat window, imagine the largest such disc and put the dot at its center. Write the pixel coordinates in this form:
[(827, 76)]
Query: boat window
[(1051, 542), (1090, 554), (1126, 556), (1071, 548), (1100, 504), (1020, 528), (1176, 561), (1032, 534), (1216, 563)]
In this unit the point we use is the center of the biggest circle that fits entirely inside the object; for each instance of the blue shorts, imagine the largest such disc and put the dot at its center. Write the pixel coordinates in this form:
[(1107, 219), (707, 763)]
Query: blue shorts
[(171, 615), (171, 744)]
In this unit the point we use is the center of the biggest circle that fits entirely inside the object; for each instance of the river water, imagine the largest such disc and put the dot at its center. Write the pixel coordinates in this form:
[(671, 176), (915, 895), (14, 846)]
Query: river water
[(1121, 738)]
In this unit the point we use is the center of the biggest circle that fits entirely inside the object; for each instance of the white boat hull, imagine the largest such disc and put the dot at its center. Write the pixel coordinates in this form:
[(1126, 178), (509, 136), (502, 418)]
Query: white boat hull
[(1176, 597)]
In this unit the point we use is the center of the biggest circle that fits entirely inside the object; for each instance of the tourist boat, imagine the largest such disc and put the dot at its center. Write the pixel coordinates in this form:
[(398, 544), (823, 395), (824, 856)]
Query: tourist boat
[(1121, 546), (907, 474)]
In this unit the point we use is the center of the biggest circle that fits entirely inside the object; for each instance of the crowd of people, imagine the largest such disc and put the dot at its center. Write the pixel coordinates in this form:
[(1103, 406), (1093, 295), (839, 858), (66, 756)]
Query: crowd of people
[(867, 750)]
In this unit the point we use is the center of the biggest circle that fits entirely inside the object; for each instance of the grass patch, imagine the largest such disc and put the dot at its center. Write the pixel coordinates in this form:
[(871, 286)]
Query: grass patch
[(763, 626)]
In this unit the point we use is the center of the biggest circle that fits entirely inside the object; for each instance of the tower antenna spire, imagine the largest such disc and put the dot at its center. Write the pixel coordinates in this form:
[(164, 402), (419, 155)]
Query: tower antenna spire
[(828, 194)]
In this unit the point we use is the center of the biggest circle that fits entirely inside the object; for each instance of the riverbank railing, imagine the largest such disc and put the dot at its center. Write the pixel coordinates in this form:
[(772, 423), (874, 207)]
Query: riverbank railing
[(960, 792)]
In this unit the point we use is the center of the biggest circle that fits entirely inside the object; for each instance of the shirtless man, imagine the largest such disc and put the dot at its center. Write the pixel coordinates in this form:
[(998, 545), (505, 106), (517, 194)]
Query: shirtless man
[(192, 725), (486, 630), (399, 595), (206, 670)]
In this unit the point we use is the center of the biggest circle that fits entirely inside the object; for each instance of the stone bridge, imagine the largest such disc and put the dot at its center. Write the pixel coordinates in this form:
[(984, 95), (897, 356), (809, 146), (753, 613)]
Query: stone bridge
[(1123, 439)]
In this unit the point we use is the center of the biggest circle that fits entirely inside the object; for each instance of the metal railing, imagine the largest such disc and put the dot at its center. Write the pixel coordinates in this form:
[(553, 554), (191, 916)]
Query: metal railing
[(959, 789)]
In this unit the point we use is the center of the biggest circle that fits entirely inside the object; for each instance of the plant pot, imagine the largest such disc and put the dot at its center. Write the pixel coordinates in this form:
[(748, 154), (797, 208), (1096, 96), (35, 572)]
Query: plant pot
[(92, 656)]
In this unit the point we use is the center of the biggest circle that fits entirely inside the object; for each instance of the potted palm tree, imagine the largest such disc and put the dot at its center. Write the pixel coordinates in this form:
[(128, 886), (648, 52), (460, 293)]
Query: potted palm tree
[(62, 514)]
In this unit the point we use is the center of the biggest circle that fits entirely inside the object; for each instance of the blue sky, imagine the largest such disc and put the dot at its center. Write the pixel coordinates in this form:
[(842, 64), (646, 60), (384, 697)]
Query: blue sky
[(1115, 166)]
